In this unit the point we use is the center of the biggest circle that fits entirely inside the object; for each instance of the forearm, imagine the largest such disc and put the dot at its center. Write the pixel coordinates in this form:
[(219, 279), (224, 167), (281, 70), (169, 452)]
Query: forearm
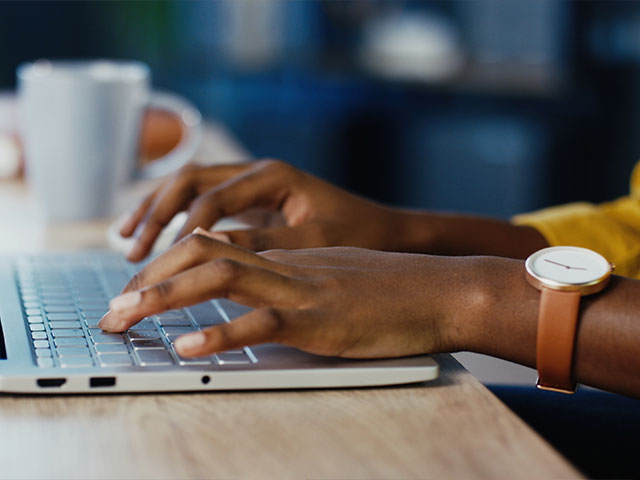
[(452, 234), (505, 325)]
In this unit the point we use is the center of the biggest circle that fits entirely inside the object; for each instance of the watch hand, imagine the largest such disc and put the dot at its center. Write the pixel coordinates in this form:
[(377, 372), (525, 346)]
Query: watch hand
[(565, 266)]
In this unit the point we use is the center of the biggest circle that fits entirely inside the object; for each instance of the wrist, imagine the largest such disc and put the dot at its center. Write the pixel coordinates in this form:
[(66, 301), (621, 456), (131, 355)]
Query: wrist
[(462, 301), (493, 312), (505, 324)]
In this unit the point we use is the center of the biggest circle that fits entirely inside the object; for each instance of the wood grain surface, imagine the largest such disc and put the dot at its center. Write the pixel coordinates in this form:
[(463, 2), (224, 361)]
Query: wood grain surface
[(450, 428)]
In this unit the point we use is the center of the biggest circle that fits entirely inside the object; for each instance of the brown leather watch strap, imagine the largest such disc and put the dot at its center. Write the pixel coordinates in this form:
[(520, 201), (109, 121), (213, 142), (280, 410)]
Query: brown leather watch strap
[(557, 325)]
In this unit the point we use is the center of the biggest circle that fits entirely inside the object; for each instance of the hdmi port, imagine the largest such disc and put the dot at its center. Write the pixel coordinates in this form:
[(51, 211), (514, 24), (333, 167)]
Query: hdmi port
[(51, 382)]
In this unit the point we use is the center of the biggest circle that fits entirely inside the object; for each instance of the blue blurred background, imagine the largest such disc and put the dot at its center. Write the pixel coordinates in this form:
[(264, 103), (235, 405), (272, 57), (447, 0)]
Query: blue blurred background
[(486, 106)]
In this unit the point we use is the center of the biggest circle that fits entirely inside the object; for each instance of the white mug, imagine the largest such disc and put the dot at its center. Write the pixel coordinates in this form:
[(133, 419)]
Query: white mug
[(80, 123)]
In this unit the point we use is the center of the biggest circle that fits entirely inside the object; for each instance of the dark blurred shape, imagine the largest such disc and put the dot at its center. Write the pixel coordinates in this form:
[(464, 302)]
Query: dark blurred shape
[(490, 106), (596, 431)]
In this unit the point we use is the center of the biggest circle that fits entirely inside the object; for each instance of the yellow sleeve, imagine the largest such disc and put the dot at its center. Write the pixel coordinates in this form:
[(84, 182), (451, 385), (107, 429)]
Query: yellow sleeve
[(611, 229)]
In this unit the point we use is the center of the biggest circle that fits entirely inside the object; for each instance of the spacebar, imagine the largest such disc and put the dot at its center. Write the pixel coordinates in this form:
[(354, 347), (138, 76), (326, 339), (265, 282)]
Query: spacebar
[(154, 357)]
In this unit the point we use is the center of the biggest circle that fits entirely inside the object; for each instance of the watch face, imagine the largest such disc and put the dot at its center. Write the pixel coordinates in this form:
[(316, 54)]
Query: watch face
[(568, 266)]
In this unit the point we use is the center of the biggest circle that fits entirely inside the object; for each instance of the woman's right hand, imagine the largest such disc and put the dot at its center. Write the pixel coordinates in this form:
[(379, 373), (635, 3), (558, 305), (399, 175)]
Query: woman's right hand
[(313, 213)]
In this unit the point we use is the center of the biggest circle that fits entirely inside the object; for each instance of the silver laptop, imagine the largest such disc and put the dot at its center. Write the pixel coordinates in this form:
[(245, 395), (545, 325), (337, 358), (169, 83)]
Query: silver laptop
[(50, 342)]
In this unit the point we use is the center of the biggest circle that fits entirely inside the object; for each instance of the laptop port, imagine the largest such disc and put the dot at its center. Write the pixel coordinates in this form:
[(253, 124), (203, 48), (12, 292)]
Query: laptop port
[(51, 382), (97, 382)]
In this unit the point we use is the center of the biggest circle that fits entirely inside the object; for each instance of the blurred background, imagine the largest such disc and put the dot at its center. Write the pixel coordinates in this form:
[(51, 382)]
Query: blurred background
[(487, 106)]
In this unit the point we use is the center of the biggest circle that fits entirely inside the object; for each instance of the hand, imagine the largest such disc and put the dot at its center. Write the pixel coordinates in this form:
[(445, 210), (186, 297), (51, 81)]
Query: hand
[(347, 302), (313, 212)]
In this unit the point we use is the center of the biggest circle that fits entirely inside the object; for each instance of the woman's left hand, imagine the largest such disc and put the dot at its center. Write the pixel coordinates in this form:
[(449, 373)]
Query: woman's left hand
[(346, 302)]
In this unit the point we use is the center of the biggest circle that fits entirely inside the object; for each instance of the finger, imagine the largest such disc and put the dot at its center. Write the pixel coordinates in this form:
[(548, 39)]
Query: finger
[(131, 223), (223, 277), (194, 250), (174, 197), (266, 185), (265, 325)]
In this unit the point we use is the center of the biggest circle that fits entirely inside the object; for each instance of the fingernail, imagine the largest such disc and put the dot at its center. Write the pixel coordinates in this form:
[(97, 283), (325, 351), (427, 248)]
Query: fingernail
[(127, 225), (107, 323), (221, 237), (125, 301), (190, 343), (134, 251)]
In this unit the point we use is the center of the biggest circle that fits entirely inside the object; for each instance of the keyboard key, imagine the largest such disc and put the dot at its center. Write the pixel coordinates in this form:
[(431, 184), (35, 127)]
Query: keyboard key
[(44, 362), (94, 313), (177, 330), (105, 348), (153, 357), (92, 322), (33, 311), (53, 285), (115, 360), (31, 305), (38, 335), (43, 352), (94, 306), (70, 362), (60, 309), (205, 314), (194, 361), (147, 343), (71, 332), (146, 324), (142, 334), (70, 342), (60, 325), (174, 322), (34, 319), (36, 327), (88, 288), (61, 298), (62, 316), (73, 352), (56, 302), (229, 358), (41, 343), (103, 337), (99, 299)]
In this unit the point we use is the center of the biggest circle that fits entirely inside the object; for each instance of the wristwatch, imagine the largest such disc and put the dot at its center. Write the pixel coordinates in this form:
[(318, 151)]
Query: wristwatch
[(563, 275)]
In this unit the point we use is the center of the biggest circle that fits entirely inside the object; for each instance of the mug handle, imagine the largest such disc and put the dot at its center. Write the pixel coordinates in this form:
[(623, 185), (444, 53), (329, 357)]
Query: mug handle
[(191, 123)]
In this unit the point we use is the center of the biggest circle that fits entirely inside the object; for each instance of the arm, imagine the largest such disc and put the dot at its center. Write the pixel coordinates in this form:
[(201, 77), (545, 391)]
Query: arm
[(360, 303), (608, 332), (313, 213), (453, 234)]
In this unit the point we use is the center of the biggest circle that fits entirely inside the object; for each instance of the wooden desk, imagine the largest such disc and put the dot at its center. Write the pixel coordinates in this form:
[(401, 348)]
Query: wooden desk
[(450, 428)]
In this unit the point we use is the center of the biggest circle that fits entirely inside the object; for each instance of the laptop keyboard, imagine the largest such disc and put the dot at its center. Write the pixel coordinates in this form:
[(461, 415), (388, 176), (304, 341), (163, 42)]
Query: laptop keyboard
[(64, 298)]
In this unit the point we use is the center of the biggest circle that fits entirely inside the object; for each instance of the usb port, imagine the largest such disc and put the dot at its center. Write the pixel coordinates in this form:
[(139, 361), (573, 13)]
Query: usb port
[(97, 382)]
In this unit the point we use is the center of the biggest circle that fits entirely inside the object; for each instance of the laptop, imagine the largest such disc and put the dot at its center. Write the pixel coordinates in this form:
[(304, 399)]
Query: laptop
[(50, 343)]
